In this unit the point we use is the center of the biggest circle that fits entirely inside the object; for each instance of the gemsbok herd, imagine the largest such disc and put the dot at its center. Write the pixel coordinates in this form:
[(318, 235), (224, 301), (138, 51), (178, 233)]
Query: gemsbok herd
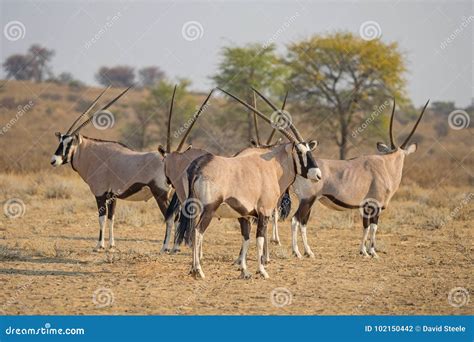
[(193, 186)]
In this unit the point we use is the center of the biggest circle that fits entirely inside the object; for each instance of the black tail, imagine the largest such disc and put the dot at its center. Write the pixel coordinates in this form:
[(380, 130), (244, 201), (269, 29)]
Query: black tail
[(173, 207), (186, 216), (285, 205)]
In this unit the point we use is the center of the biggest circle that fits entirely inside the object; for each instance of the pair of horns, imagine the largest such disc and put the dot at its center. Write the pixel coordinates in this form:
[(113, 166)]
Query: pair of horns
[(185, 135), (87, 111), (270, 137), (392, 140), (263, 116)]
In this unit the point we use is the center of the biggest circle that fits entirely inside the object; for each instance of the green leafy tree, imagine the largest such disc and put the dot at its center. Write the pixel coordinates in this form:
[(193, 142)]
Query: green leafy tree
[(151, 115), (250, 65), (341, 76)]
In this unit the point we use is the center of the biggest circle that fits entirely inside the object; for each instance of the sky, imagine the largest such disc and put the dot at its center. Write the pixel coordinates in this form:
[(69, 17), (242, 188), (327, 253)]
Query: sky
[(184, 37)]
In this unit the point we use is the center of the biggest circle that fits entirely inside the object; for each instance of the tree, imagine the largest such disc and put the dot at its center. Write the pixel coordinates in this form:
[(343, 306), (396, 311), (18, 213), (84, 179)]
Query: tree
[(39, 62), (149, 76), (118, 76), (151, 115), (443, 107), (340, 76), (250, 65), (16, 66)]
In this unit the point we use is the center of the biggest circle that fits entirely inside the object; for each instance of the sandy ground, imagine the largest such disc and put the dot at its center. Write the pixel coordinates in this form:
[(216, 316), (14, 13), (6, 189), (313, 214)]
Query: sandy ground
[(47, 265)]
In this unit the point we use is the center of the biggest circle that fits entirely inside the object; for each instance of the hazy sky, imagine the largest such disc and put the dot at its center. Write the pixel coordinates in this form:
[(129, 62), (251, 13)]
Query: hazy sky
[(142, 33)]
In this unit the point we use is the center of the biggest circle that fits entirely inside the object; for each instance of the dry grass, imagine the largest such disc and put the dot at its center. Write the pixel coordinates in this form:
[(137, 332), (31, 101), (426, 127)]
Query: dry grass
[(425, 242)]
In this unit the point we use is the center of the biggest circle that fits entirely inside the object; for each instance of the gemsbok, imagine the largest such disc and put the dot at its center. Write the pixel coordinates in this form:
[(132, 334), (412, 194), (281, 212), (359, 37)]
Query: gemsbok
[(367, 183), (243, 187), (177, 162), (112, 170)]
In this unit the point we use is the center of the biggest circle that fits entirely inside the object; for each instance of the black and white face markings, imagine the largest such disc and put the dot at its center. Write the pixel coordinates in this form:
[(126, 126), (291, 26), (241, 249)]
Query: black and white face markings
[(305, 164), (64, 150)]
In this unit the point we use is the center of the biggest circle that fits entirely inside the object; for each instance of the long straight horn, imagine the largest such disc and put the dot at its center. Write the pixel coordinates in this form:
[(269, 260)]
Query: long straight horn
[(392, 141), (255, 121), (414, 127), (87, 110), (168, 133), (270, 137), (85, 123), (256, 111), (196, 116), (292, 127)]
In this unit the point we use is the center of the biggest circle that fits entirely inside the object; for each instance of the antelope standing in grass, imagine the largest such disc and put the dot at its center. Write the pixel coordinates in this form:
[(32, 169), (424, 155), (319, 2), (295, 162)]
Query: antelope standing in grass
[(366, 183), (248, 185), (112, 171)]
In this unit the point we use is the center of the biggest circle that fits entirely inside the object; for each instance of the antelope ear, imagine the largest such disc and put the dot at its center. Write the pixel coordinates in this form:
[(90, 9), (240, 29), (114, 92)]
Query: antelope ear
[(410, 149), (58, 135), (162, 151), (313, 144), (381, 147)]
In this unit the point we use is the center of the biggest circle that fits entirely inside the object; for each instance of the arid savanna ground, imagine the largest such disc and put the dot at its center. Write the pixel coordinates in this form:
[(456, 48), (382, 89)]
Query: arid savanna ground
[(48, 229), (47, 265)]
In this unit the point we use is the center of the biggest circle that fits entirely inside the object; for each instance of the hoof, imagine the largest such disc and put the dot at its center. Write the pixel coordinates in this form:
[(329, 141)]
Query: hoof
[(309, 255), (275, 242), (245, 275), (263, 274), (197, 273), (373, 254), (99, 249), (297, 254), (164, 250), (112, 249), (175, 251), (364, 254)]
